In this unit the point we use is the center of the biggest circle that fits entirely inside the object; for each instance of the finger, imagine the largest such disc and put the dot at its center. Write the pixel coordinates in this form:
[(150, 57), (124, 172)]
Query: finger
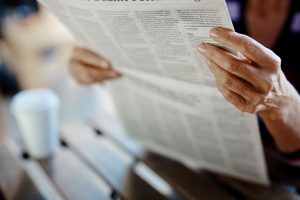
[(239, 102), (91, 58), (236, 85), (103, 75), (233, 98), (236, 66), (78, 73), (246, 46), (88, 75)]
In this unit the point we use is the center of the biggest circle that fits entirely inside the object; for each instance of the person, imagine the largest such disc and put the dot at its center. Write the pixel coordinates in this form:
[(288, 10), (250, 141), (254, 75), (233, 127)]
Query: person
[(26, 16), (8, 83), (254, 81), (88, 67)]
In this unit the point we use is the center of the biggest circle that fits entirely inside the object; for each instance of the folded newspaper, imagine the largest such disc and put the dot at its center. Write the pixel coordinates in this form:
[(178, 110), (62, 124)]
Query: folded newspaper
[(167, 98)]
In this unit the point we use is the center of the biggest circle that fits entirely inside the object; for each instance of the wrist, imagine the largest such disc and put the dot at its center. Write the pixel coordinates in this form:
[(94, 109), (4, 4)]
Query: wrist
[(281, 115), (283, 100)]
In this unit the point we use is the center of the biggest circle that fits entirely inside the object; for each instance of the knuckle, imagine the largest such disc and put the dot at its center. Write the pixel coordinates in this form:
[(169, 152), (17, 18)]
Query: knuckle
[(227, 95), (251, 109), (244, 38), (231, 98), (253, 49), (247, 107), (234, 66), (228, 82), (242, 88), (268, 86), (276, 59), (258, 98), (247, 44), (210, 52), (227, 36), (261, 99), (242, 109)]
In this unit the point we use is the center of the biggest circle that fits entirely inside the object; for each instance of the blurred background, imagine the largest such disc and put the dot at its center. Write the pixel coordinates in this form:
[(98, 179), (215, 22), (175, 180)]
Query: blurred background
[(35, 50)]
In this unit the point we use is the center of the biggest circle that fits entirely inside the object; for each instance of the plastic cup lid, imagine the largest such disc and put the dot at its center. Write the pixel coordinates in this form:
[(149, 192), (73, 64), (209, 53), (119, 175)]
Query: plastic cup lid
[(35, 100)]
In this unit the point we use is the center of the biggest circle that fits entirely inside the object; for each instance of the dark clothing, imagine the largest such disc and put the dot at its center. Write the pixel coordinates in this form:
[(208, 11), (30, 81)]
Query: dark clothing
[(7, 5), (287, 48), (8, 83), (19, 7)]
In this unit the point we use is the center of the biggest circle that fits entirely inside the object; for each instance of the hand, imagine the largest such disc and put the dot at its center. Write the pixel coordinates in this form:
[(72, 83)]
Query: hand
[(254, 83), (247, 81), (88, 67)]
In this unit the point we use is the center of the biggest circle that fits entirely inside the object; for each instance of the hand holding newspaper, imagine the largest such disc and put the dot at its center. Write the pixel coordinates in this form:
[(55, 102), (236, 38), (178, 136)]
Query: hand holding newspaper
[(167, 98)]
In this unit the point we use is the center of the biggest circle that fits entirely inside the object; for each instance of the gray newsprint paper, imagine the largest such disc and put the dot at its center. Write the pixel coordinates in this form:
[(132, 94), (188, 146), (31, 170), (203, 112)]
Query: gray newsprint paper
[(167, 98)]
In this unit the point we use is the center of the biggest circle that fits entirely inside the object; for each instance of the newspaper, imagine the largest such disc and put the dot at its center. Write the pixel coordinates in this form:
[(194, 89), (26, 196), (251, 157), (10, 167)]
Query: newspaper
[(167, 98)]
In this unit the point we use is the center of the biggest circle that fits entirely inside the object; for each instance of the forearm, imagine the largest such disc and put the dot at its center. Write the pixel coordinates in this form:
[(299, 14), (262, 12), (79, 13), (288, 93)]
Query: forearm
[(283, 120)]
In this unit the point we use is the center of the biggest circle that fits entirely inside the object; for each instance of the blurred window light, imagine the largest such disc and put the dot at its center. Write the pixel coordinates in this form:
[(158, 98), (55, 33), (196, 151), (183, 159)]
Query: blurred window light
[(234, 9), (296, 23)]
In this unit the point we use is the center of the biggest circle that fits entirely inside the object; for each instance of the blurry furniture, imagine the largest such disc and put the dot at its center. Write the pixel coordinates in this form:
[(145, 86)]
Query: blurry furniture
[(94, 163)]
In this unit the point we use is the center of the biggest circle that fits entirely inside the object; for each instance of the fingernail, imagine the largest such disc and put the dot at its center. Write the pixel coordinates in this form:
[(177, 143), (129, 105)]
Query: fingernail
[(202, 48), (214, 32), (113, 74), (104, 64)]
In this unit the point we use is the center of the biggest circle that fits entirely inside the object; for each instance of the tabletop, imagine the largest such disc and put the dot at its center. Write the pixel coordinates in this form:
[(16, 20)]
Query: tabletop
[(92, 164)]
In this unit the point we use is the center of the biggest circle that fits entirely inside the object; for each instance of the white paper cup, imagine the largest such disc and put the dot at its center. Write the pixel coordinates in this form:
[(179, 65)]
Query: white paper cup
[(37, 115)]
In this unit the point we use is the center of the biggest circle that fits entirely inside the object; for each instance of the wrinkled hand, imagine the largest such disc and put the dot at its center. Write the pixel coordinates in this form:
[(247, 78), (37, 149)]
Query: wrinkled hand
[(250, 81), (254, 82), (87, 67)]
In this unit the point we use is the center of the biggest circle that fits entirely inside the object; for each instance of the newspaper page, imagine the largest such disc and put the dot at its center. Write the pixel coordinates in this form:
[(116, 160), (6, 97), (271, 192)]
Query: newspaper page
[(167, 97)]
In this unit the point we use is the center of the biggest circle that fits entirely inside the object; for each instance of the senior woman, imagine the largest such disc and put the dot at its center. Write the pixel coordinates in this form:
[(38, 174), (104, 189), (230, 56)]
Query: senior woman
[(254, 81)]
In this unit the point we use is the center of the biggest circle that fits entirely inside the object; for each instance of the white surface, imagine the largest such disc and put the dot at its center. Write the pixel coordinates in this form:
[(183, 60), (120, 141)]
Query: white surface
[(35, 171)]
